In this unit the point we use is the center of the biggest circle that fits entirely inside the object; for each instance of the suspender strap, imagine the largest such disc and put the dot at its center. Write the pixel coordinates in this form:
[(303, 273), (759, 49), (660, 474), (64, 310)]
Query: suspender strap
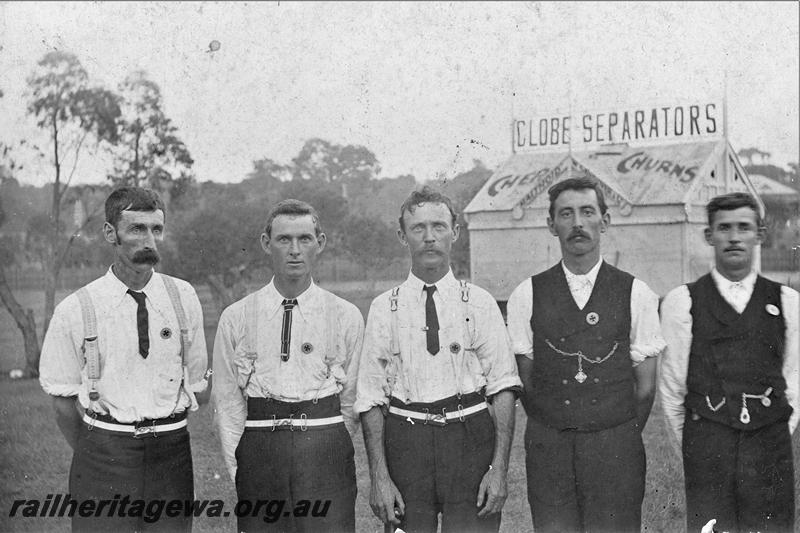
[(250, 335), (91, 350), (395, 342), (177, 305)]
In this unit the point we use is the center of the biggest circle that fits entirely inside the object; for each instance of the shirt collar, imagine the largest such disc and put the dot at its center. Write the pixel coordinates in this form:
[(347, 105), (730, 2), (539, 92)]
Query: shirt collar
[(590, 276), (724, 284), (307, 300), (448, 281), (116, 291)]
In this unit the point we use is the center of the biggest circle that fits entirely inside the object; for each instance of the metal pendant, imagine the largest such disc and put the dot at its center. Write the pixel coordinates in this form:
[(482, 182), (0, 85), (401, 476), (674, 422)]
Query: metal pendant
[(766, 402), (744, 417), (580, 377)]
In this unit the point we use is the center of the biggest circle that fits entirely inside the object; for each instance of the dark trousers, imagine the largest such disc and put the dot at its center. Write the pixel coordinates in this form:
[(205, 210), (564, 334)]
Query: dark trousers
[(298, 481), (585, 481), (744, 479), (121, 468), (438, 469)]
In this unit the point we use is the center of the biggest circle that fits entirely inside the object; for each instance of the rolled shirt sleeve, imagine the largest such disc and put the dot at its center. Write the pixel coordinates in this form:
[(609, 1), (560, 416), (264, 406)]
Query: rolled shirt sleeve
[(493, 346), (61, 361), (676, 325), (646, 337), (352, 326), (790, 302), (519, 309), (197, 355), (372, 385), (230, 407)]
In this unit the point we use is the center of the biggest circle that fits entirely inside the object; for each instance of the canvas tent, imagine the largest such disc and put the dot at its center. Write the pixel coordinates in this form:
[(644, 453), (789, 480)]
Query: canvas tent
[(656, 194)]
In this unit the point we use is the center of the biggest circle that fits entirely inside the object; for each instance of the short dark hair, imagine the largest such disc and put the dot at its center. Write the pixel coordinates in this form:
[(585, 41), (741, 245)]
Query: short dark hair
[(576, 184), (729, 202), (426, 195), (295, 208), (131, 199)]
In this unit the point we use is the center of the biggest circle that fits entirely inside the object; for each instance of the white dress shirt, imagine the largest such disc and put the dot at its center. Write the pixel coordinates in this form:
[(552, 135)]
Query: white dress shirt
[(424, 377), (645, 337), (305, 376), (131, 387), (676, 322)]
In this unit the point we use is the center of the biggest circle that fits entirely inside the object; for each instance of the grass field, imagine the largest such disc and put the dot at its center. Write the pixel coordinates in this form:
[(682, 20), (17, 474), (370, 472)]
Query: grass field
[(34, 458)]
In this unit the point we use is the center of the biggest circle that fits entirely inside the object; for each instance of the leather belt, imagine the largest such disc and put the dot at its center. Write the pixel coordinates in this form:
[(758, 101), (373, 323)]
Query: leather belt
[(436, 418), (137, 431), (302, 422)]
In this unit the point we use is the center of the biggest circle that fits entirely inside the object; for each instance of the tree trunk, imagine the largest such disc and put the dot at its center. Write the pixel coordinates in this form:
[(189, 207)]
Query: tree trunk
[(25, 323), (50, 281), (223, 295)]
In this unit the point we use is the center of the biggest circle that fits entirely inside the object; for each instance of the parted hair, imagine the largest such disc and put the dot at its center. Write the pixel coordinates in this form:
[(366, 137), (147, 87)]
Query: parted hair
[(132, 199), (576, 184), (296, 208), (729, 202)]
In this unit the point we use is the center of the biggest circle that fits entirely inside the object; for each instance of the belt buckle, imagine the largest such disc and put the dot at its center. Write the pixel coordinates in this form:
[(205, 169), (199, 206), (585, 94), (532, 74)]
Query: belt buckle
[(304, 419), (437, 419), (142, 431)]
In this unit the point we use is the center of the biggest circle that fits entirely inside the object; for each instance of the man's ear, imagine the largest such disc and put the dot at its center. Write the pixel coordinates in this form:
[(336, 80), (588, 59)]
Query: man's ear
[(322, 239), (551, 227), (109, 233), (401, 236), (761, 233), (265, 243), (456, 232), (707, 235), (605, 221)]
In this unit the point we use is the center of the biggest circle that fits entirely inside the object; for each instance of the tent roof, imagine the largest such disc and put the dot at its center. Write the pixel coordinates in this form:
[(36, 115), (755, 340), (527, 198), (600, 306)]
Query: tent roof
[(642, 175), (770, 187)]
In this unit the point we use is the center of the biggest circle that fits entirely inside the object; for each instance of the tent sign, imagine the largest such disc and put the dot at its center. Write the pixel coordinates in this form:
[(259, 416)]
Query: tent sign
[(684, 122)]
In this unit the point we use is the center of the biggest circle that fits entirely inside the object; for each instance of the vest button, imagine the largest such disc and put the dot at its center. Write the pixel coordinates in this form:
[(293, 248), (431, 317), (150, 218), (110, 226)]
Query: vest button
[(597, 358), (564, 381), (596, 380), (594, 401), (567, 402), (563, 339)]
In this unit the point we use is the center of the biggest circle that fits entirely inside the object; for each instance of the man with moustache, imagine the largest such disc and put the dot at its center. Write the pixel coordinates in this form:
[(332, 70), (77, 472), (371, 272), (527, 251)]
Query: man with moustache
[(729, 381), (123, 358), (586, 336), (435, 352), (284, 387)]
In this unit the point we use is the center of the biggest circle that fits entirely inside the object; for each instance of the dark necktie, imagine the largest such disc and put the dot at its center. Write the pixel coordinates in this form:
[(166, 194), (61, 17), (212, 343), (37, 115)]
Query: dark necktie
[(141, 322), (431, 321), (286, 329)]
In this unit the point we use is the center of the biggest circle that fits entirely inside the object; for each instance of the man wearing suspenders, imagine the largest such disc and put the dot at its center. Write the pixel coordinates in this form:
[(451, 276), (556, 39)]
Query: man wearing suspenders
[(282, 391), (130, 347), (435, 351), (729, 380), (586, 336)]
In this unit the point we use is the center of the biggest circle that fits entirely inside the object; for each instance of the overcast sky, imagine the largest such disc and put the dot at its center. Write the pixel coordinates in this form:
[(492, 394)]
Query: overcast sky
[(415, 83)]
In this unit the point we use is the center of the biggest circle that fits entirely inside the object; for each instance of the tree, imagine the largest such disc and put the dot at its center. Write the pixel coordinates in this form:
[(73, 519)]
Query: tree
[(371, 243), (218, 243), (23, 317), (149, 151), (71, 111), (322, 161)]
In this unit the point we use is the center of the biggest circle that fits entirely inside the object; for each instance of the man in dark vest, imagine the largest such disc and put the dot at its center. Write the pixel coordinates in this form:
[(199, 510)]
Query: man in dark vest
[(586, 336), (730, 380)]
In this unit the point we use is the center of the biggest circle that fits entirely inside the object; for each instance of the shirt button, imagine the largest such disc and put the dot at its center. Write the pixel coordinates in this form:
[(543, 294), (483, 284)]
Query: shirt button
[(564, 381), (567, 402), (563, 339), (597, 358), (596, 380), (594, 401)]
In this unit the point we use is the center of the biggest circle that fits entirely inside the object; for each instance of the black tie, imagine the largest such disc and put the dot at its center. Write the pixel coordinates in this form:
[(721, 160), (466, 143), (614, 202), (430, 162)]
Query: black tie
[(141, 322), (431, 321), (286, 329)]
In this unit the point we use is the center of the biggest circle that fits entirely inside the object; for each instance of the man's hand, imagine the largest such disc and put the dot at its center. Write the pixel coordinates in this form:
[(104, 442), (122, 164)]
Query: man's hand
[(384, 498), (492, 492)]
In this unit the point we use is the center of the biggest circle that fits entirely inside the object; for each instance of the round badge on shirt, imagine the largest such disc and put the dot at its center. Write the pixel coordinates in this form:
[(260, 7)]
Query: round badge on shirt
[(592, 318), (455, 348), (166, 333), (307, 348)]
